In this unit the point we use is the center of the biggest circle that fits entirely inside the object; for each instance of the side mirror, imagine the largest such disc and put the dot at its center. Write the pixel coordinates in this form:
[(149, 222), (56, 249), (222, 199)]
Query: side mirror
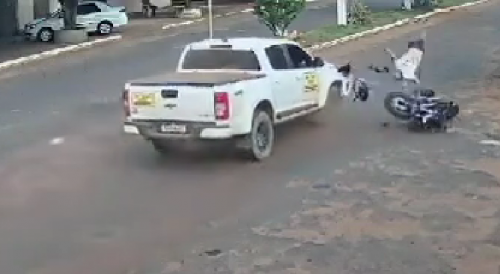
[(318, 62)]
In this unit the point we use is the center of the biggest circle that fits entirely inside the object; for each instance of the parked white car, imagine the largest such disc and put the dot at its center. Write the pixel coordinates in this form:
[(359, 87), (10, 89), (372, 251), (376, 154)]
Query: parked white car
[(94, 16), (230, 89)]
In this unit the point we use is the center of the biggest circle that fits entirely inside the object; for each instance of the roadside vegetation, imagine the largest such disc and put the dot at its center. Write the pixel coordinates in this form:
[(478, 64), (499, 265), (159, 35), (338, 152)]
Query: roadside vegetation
[(361, 18), (277, 15)]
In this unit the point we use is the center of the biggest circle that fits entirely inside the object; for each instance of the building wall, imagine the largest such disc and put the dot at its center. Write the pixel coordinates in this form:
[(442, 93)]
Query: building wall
[(44, 7), (25, 12), (136, 5), (8, 17), (131, 5)]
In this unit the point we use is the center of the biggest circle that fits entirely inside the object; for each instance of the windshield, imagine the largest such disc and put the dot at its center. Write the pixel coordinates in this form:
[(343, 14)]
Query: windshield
[(221, 59)]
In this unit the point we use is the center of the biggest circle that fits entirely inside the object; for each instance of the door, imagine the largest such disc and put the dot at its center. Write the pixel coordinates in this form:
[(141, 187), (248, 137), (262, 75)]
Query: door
[(285, 80), (310, 82), (86, 16)]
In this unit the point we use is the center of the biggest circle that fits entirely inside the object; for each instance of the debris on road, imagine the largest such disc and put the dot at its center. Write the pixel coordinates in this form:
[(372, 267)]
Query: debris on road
[(213, 252)]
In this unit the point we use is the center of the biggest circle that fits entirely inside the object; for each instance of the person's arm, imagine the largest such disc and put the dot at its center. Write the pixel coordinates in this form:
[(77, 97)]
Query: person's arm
[(391, 54)]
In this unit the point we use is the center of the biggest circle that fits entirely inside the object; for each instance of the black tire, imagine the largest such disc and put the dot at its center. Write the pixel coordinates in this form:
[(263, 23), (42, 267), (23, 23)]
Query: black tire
[(363, 91), (160, 146), (105, 28), (255, 150), (389, 104), (45, 35)]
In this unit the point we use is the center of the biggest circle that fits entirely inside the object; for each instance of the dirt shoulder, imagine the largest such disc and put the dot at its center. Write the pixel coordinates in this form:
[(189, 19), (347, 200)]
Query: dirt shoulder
[(426, 204)]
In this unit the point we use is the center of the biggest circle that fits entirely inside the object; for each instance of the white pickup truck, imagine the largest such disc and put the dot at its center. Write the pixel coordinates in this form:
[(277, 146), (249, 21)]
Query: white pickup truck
[(236, 88)]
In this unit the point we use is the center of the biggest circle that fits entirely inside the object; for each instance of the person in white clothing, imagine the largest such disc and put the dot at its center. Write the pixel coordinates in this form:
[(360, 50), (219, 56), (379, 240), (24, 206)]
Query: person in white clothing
[(407, 67)]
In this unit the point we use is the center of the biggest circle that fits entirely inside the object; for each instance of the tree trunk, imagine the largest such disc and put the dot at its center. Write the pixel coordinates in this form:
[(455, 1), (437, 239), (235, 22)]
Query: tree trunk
[(69, 12)]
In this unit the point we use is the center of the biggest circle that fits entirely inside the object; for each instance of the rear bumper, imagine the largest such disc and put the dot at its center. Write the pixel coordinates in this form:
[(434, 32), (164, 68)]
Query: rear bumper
[(195, 130)]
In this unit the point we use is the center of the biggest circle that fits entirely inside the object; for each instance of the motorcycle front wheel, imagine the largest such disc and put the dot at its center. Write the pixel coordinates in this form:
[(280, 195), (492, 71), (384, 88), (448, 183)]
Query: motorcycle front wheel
[(398, 104)]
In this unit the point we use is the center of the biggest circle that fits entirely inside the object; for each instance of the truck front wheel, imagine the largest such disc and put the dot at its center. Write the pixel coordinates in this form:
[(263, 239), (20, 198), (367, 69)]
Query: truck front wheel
[(261, 138)]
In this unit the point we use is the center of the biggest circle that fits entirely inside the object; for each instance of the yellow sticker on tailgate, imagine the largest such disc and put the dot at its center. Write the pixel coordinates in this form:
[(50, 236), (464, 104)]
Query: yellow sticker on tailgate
[(312, 82), (144, 99)]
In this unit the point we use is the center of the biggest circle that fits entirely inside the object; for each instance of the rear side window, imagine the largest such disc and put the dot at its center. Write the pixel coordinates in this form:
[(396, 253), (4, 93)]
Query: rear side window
[(221, 59), (88, 8), (276, 57)]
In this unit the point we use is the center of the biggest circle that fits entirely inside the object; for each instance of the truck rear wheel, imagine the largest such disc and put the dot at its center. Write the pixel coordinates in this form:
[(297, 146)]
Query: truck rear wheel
[(261, 138)]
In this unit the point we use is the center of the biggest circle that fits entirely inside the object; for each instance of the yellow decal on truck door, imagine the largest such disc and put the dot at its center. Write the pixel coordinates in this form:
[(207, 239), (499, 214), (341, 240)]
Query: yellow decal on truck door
[(312, 82)]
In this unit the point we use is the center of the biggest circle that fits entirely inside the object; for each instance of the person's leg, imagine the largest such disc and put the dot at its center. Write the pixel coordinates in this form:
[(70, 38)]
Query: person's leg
[(347, 85), (153, 11)]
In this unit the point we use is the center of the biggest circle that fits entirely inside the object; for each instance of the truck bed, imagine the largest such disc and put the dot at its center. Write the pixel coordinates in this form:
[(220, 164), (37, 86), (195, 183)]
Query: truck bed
[(195, 78)]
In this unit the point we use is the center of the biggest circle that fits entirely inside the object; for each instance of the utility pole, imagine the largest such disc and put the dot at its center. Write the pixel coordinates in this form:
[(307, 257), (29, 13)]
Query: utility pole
[(210, 20), (342, 12)]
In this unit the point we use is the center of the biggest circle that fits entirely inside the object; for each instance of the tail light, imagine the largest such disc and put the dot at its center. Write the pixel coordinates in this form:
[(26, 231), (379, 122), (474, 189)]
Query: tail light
[(221, 106), (126, 102)]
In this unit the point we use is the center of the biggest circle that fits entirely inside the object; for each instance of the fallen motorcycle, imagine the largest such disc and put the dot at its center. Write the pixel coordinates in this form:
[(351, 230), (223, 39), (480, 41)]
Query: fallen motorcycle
[(423, 110)]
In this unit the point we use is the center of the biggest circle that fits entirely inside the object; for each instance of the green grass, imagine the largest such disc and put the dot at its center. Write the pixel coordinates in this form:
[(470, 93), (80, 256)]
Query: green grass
[(379, 18)]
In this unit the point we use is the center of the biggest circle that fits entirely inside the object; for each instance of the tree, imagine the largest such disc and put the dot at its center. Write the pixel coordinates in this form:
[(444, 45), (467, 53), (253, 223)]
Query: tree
[(359, 14), (277, 15), (69, 11)]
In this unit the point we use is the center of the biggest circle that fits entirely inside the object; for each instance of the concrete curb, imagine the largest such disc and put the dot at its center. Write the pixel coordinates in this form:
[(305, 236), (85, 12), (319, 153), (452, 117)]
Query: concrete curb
[(392, 25), (57, 51)]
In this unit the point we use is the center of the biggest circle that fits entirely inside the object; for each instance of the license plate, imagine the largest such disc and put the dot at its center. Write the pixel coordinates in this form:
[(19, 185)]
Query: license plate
[(173, 128), (144, 99)]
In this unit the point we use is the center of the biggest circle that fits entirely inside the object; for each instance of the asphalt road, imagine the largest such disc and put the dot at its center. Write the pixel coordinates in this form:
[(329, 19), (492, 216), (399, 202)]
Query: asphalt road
[(74, 84), (95, 201)]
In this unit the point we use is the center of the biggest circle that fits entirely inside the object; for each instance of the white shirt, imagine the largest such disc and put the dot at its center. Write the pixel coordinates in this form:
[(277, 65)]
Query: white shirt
[(408, 63)]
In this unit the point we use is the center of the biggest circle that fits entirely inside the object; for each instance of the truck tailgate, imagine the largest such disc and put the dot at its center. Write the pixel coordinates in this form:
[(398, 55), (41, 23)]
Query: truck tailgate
[(164, 102)]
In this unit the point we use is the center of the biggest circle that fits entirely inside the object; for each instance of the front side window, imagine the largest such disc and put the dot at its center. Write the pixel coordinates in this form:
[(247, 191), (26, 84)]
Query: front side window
[(221, 59), (300, 58)]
